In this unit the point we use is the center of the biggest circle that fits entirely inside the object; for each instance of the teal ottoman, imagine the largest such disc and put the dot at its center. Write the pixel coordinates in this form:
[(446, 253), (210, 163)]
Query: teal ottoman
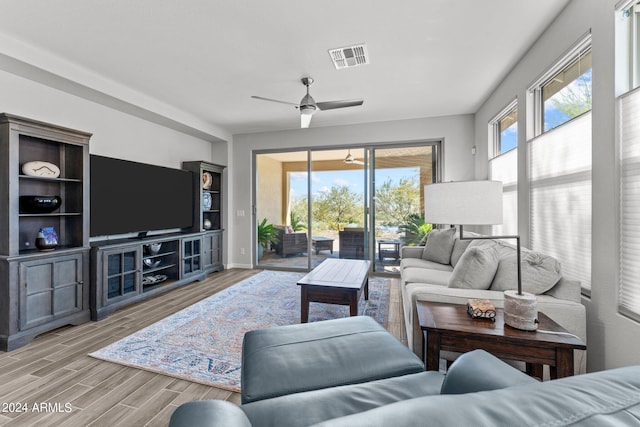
[(290, 359)]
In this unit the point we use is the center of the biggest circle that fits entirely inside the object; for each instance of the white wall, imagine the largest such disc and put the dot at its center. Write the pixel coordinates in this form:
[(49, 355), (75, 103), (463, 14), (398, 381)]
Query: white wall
[(115, 134), (455, 131), (612, 339)]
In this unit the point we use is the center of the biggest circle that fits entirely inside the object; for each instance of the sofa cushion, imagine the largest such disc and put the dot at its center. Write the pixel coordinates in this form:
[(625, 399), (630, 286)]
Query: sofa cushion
[(604, 398), (439, 245), (424, 264), (290, 359), (539, 272), (567, 289), (207, 413), (319, 405), (459, 246), (425, 275), (476, 268), (478, 370)]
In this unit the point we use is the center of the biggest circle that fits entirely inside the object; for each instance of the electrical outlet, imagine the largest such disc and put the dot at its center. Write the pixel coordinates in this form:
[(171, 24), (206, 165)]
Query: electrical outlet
[(241, 251)]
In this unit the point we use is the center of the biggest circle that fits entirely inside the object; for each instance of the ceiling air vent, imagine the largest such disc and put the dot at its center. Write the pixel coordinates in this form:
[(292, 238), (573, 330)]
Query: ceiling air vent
[(351, 56)]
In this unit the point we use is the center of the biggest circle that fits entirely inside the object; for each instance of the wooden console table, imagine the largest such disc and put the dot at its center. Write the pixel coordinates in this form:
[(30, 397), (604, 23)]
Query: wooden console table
[(448, 327)]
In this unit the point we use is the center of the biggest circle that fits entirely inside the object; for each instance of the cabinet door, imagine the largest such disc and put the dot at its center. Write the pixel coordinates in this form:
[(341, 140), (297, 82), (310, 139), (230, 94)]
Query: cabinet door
[(216, 248), (191, 256), (208, 250), (121, 275), (50, 288)]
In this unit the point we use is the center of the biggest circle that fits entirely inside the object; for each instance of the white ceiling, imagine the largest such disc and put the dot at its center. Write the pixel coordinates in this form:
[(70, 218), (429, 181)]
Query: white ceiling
[(205, 58)]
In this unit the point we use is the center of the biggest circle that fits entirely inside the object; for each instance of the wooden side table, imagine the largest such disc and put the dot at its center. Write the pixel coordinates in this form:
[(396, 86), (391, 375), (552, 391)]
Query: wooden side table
[(448, 327), (322, 243), (389, 249)]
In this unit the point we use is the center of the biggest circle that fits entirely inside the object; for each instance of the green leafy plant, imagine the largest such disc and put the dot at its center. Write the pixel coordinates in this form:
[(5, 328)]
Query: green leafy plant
[(415, 229), (296, 222), (267, 234)]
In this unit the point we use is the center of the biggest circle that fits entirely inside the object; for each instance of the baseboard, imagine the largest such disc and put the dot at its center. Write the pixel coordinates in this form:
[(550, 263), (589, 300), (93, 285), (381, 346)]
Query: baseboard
[(244, 266)]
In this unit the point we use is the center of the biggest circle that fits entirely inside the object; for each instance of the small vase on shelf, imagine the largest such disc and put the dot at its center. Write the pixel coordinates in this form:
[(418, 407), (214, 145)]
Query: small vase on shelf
[(47, 239)]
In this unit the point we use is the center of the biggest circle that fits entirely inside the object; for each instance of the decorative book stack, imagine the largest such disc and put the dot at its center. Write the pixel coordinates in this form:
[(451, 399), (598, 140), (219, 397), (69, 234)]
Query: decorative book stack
[(481, 309)]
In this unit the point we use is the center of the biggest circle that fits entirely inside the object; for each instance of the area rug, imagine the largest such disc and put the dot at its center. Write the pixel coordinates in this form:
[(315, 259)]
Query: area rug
[(203, 343)]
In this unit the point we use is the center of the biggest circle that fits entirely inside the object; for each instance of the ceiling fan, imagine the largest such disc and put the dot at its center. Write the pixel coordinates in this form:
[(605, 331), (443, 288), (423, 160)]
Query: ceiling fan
[(308, 105), (350, 160)]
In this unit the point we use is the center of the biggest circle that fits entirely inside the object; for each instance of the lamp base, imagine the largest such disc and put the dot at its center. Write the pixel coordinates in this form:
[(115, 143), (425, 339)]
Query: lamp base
[(520, 311)]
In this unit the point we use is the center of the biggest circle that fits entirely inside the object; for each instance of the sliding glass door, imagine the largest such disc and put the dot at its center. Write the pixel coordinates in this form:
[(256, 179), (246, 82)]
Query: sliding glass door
[(399, 177), (339, 199), (281, 210), (353, 203)]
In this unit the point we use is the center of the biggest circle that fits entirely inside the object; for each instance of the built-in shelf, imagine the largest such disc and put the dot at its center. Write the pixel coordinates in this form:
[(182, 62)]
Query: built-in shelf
[(44, 289)]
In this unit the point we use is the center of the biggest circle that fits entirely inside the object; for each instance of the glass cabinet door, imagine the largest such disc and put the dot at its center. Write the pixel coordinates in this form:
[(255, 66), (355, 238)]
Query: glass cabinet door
[(192, 256), (122, 273)]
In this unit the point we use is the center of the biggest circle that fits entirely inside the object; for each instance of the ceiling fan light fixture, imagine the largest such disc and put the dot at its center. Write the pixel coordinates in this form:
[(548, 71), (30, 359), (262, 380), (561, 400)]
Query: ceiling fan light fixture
[(308, 105), (305, 120), (350, 160), (307, 109)]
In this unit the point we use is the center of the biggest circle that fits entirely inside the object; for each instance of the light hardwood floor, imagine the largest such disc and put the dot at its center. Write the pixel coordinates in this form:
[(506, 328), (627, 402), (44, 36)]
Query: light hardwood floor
[(55, 370)]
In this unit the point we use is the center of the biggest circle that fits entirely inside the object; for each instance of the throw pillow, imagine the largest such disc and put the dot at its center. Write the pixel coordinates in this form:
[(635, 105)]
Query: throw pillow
[(459, 246), (539, 272), (439, 245), (476, 268)]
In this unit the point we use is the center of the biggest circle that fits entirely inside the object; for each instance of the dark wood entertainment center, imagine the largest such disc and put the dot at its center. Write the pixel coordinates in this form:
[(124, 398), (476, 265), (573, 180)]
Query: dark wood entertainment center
[(124, 271), (81, 280)]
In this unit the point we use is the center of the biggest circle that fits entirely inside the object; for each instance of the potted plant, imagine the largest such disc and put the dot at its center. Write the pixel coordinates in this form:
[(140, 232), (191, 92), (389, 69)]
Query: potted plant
[(415, 230), (267, 234)]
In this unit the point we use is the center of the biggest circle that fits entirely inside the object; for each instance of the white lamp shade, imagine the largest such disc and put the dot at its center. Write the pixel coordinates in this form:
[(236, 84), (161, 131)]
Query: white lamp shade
[(463, 202)]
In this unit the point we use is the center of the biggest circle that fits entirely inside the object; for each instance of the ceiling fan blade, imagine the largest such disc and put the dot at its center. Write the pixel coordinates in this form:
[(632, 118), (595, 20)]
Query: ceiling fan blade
[(330, 105), (275, 100), (358, 162)]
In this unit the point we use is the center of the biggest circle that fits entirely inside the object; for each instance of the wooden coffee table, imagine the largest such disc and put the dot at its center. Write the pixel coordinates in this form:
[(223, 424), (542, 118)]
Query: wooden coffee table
[(448, 327), (335, 281)]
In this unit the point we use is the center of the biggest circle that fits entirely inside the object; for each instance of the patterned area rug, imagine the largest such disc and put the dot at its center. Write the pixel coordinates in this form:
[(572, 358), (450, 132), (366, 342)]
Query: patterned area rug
[(203, 343)]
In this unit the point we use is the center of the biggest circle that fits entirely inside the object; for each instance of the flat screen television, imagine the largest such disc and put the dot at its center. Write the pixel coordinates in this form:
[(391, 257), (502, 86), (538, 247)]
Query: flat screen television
[(132, 197)]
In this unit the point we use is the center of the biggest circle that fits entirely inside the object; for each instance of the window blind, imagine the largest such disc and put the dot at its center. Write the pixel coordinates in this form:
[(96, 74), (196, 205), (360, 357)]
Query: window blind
[(560, 196), (505, 168), (629, 142)]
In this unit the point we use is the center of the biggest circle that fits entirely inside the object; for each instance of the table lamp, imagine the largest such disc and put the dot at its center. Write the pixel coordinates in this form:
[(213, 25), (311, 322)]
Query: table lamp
[(480, 203)]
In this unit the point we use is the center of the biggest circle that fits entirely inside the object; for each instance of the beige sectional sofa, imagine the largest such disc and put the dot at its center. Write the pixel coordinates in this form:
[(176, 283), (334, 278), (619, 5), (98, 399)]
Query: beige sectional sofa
[(451, 270)]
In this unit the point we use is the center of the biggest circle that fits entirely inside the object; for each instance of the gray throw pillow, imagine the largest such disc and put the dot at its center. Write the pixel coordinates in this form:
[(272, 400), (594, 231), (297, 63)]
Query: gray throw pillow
[(539, 272), (476, 267), (439, 245), (459, 246)]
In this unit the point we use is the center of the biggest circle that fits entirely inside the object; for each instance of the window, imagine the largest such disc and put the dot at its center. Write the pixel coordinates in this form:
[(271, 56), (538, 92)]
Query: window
[(568, 94), (505, 130), (559, 160), (564, 92), (628, 140), (627, 46), (503, 166)]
